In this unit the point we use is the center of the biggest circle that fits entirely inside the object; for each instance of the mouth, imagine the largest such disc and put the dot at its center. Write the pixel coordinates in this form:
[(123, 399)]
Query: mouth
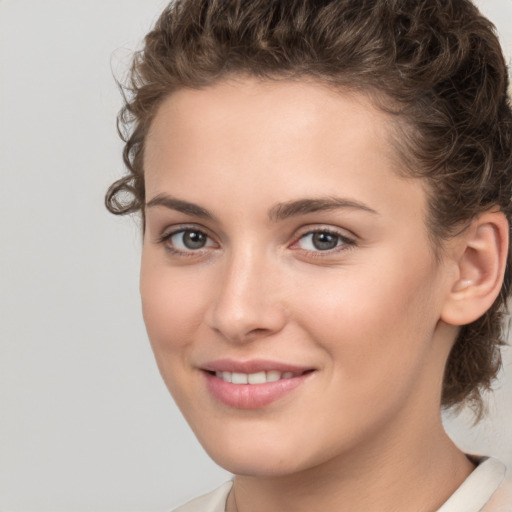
[(261, 377), (261, 384)]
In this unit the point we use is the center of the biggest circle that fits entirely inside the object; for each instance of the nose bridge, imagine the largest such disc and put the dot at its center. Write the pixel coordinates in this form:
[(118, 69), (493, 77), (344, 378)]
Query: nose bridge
[(246, 303)]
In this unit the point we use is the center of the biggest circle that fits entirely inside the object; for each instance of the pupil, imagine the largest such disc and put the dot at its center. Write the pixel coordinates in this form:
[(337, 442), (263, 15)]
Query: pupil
[(194, 240), (324, 241)]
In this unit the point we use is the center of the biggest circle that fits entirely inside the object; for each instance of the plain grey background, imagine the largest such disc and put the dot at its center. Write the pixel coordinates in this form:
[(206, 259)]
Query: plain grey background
[(85, 422)]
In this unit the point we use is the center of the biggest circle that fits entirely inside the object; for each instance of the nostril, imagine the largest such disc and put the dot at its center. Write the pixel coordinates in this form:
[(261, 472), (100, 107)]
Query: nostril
[(258, 330)]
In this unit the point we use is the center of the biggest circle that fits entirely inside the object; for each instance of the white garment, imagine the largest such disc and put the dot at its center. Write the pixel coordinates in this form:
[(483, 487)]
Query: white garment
[(486, 489)]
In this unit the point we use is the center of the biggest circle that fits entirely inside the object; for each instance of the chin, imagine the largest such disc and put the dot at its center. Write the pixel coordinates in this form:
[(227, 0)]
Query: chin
[(262, 455), (264, 465)]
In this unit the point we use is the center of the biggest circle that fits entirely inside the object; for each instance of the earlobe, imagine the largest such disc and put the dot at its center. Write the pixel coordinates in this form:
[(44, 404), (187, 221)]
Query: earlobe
[(481, 266)]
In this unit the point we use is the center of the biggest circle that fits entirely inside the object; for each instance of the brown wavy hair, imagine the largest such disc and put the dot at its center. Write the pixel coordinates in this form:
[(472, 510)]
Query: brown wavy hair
[(435, 65)]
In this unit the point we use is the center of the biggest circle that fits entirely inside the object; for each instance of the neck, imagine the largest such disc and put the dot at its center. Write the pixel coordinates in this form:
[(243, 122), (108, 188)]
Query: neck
[(420, 472)]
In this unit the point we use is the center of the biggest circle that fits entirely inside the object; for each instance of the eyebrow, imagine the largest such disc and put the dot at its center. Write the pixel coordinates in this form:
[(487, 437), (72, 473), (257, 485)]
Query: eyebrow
[(280, 211), (181, 206), (283, 211)]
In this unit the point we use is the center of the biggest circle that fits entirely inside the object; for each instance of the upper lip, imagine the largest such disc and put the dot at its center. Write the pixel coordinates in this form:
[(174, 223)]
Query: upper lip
[(252, 366)]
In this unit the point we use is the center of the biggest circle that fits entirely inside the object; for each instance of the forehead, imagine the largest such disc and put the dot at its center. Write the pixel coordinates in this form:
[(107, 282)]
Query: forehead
[(262, 105), (281, 139)]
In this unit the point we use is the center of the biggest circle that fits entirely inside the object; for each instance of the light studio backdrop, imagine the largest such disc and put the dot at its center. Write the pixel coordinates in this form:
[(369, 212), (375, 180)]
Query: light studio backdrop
[(85, 422)]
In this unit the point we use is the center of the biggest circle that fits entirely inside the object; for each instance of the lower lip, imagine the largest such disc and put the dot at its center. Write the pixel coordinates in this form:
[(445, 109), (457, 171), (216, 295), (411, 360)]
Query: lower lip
[(252, 396)]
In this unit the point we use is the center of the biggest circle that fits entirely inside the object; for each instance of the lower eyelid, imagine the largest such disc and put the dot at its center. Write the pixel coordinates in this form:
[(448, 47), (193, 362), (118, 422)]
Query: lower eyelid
[(344, 241), (344, 245), (166, 241)]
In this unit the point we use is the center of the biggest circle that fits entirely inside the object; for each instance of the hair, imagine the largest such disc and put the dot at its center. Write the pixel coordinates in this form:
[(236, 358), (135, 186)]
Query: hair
[(435, 65)]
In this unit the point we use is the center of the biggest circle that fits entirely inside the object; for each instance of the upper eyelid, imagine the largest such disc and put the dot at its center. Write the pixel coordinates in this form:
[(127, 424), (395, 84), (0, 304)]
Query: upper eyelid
[(165, 237), (173, 230), (347, 238), (341, 232), (300, 233)]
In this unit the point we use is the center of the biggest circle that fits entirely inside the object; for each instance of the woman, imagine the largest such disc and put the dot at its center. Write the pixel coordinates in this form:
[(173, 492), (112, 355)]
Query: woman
[(325, 194)]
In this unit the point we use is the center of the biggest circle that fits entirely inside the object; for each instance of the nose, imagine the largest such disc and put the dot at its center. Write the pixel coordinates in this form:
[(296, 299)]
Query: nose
[(247, 301)]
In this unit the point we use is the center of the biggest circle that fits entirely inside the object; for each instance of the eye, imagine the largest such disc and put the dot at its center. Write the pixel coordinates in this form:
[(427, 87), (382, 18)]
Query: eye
[(323, 240), (187, 240)]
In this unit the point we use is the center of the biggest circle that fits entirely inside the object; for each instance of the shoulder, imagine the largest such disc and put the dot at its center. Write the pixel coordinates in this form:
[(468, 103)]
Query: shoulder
[(214, 501), (501, 500), (487, 489)]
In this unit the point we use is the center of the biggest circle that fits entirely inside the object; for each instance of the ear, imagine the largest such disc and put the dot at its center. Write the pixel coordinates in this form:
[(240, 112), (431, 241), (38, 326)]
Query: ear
[(481, 258)]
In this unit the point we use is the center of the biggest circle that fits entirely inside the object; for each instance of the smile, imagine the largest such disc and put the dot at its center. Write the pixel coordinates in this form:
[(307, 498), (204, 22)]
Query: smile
[(256, 378), (253, 384)]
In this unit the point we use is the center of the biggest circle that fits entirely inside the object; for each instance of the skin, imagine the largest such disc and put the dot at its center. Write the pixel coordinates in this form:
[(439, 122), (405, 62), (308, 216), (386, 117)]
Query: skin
[(368, 315)]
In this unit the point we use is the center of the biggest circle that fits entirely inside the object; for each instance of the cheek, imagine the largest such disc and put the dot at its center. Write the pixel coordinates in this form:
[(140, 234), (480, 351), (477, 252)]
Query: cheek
[(375, 323), (170, 307), (172, 311)]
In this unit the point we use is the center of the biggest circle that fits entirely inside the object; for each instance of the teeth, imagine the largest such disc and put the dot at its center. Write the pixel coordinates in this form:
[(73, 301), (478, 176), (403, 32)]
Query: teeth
[(239, 378), (273, 375), (255, 378)]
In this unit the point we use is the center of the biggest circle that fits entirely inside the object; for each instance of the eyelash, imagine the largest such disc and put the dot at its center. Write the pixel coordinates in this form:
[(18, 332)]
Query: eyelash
[(344, 242), (164, 239)]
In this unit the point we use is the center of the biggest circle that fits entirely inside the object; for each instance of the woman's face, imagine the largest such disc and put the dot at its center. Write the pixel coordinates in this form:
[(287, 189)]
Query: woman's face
[(282, 252)]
